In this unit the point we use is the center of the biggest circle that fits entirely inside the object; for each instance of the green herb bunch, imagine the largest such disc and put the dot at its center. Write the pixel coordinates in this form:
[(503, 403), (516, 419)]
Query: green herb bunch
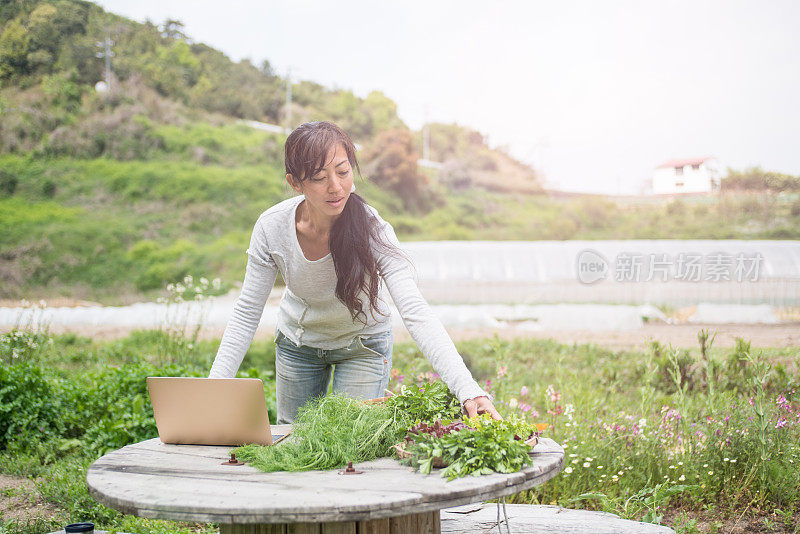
[(330, 431), (427, 403), (485, 446)]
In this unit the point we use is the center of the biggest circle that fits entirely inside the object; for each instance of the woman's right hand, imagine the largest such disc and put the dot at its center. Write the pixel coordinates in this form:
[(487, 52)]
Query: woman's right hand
[(480, 405)]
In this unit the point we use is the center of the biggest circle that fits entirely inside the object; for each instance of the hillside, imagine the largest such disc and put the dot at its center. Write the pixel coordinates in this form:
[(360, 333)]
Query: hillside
[(110, 196), (109, 230), (48, 70)]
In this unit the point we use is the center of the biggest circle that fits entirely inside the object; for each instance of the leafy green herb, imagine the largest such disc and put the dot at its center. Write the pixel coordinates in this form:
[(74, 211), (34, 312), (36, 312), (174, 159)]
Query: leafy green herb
[(333, 430), (330, 431), (427, 403), (483, 447), (438, 429)]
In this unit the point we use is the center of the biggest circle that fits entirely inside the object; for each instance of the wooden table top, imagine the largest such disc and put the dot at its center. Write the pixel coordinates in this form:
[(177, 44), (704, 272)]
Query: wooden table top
[(189, 482)]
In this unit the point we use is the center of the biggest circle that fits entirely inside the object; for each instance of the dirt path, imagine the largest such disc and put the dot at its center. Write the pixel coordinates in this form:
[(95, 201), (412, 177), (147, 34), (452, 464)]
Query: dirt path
[(19, 502), (679, 335)]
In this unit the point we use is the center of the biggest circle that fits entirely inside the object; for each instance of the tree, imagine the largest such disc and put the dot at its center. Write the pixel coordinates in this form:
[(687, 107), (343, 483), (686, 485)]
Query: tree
[(173, 70), (35, 40), (13, 8), (44, 34), (343, 108), (173, 29), (391, 162), (266, 69), (382, 113), (14, 43), (757, 179)]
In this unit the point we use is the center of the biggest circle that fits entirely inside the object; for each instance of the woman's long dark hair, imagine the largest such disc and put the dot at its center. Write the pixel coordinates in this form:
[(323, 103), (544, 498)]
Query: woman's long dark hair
[(355, 230)]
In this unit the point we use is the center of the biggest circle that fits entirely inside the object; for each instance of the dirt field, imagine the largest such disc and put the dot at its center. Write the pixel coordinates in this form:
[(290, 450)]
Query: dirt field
[(679, 335), (19, 501)]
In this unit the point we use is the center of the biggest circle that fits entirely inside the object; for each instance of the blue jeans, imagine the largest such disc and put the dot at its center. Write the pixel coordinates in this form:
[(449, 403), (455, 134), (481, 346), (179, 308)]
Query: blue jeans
[(361, 370)]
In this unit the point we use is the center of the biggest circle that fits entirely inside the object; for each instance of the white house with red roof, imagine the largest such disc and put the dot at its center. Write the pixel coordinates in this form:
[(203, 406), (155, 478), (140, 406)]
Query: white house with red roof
[(694, 175)]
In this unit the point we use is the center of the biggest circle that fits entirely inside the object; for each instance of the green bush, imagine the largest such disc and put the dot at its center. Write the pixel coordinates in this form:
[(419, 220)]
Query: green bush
[(158, 265), (230, 144), (29, 405), (19, 218), (8, 183), (110, 408), (101, 408), (21, 345)]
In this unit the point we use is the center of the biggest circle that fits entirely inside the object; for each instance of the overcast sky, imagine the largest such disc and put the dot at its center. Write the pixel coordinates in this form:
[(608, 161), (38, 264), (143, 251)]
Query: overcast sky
[(594, 94)]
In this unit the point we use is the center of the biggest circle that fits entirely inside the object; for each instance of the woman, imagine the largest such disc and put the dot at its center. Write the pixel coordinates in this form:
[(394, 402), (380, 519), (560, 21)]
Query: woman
[(333, 250)]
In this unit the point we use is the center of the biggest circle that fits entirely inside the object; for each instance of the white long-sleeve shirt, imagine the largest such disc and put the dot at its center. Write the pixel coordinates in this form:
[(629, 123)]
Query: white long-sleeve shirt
[(310, 313)]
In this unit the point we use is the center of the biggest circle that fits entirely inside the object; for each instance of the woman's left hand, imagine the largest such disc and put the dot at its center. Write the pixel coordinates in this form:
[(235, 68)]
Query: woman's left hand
[(481, 405)]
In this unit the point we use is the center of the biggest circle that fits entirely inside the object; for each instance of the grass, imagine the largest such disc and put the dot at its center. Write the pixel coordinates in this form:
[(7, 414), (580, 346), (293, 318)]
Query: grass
[(154, 221), (645, 436)]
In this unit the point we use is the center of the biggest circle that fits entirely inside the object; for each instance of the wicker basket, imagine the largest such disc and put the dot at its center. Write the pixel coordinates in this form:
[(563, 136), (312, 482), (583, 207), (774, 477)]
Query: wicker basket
[(403, 454)]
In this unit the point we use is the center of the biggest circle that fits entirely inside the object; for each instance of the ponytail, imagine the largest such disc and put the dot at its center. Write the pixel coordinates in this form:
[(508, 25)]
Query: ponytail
[(352, 235)]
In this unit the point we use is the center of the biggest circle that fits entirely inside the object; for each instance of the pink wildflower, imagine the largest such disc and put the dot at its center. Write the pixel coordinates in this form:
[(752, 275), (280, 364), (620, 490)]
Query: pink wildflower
[(554, 395), (425, 377), (784, 403), (501, 372), (523, 391), (781, 423)]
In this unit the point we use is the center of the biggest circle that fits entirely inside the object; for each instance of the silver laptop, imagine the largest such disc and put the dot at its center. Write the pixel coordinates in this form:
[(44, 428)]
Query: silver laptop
[(210, 411)]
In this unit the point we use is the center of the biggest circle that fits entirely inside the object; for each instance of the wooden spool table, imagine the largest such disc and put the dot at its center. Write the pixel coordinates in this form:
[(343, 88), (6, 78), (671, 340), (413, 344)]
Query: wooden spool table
[(189, 483)]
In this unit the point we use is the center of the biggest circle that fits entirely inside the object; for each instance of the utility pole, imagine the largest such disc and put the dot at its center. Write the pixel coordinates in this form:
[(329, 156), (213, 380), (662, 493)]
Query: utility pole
[(289, 98), (426, 138), (107, 54)]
